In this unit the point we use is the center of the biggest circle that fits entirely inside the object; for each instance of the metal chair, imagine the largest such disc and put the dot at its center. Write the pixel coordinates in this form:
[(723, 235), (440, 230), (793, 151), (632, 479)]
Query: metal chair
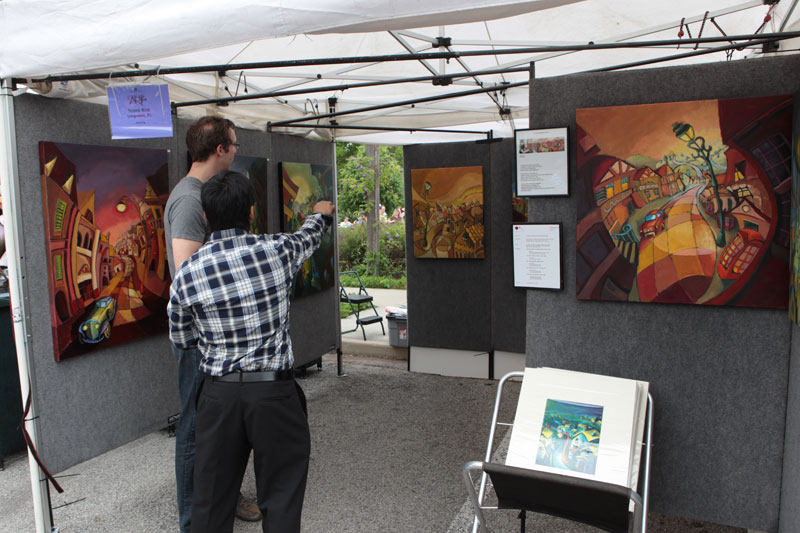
[(602, 505), (355, 301)]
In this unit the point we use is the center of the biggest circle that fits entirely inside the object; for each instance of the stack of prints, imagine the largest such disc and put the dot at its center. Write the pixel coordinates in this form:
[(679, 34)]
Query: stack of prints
[(578, 424)]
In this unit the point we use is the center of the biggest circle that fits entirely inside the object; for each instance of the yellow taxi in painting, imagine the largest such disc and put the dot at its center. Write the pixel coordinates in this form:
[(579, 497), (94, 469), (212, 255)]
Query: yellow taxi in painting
[(98, 326)]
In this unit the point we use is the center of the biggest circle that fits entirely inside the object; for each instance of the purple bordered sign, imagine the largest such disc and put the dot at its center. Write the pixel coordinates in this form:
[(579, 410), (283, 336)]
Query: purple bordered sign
[(139, 111)]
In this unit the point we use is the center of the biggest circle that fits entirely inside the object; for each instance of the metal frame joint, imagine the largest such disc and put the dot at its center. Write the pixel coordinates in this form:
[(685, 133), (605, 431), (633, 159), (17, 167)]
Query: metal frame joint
[(443, 42)]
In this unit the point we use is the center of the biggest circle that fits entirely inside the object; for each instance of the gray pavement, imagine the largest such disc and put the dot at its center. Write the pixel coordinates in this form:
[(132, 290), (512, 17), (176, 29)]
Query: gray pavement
[(387, 451), (376, 343)]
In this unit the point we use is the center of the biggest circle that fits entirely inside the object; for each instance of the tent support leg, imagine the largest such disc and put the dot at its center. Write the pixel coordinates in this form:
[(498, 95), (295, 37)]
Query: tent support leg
[(11, 211)]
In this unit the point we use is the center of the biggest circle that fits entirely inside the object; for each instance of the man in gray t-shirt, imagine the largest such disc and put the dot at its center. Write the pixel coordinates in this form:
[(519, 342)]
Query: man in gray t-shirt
[(212, 145), (184, 217)]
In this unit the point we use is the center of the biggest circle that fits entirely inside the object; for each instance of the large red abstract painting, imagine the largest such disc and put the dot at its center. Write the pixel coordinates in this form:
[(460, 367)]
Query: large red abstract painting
[(685, 202)]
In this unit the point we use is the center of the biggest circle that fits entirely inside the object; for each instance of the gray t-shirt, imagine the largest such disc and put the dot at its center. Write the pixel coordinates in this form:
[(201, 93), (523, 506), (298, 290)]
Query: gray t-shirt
[(183, 216)]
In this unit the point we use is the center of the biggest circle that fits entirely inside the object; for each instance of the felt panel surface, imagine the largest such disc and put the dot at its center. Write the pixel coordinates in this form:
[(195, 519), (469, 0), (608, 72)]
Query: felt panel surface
[(95, 402), (98, 401), (718, 376), (508, 302), (449, 303), (790, 491), (315, 319)]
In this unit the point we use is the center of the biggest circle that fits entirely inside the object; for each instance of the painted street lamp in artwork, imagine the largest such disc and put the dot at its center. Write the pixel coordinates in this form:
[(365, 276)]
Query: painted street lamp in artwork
[(685, 132), (136, 204), (427, 215)]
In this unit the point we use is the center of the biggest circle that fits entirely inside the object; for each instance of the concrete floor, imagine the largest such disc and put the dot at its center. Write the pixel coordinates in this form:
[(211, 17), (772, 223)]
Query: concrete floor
[(387, 451)]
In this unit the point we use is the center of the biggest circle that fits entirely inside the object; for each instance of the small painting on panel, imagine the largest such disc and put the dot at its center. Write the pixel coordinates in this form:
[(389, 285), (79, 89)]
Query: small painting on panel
[(448, 213), (106, 255), (303, 186), (519, 205), (685, 202), (255, 168)]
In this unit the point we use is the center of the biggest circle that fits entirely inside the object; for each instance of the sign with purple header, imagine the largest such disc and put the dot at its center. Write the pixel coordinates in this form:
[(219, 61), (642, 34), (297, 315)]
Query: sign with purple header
[(139, 111)]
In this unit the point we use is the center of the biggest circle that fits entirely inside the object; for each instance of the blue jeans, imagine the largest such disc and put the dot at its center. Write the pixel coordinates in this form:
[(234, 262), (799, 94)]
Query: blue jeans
[(189, 379)]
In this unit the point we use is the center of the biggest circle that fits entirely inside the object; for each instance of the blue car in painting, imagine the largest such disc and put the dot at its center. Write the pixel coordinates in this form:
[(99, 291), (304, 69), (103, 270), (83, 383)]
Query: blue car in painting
[(98, 326)]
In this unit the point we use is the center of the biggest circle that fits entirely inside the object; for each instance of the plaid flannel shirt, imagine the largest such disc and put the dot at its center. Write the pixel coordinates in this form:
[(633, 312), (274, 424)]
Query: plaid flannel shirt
[(230, 299)]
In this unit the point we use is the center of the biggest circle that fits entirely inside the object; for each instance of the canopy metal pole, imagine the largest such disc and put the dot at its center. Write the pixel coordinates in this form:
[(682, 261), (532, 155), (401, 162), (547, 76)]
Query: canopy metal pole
[(9, 184), (501, 87), (406, 57), (383, 128), (665, 59), (344, 87)]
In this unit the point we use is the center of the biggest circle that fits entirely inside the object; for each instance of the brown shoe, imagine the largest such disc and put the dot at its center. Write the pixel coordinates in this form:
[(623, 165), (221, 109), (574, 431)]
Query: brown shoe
[(248, 511)]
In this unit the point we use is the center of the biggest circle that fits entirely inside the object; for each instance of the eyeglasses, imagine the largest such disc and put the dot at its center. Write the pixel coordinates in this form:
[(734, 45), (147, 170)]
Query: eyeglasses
[(236, 145)]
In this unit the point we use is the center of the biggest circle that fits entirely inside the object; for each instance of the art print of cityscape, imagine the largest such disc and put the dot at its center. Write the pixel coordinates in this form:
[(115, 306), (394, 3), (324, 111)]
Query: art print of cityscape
[(685, 202)]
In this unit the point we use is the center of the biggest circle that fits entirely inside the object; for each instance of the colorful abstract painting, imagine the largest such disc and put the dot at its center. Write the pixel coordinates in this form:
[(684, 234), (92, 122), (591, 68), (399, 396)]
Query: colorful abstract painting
[(106, 255), (448, 213), (303, 186), (255, 168), (519, 205), (685, 202), (570, 437), (794, 285)]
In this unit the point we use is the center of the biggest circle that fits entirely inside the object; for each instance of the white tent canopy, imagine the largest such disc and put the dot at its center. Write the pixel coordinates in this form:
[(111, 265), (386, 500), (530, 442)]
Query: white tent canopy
[(49, 37)]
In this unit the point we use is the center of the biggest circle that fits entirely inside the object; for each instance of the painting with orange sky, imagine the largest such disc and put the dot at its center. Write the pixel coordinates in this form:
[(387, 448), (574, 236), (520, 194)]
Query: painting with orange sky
[(685, 202), (106, 255), (448, 213)]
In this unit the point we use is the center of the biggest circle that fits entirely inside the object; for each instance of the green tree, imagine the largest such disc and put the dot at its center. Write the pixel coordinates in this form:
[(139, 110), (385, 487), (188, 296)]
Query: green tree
[(356, 179)]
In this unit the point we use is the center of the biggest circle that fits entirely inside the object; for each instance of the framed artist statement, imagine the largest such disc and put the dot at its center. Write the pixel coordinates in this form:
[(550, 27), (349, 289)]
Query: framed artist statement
[(542, 168), (537, 256)]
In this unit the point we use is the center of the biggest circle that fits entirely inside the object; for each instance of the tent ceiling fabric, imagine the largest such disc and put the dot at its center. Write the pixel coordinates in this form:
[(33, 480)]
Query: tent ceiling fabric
[(115, 35)]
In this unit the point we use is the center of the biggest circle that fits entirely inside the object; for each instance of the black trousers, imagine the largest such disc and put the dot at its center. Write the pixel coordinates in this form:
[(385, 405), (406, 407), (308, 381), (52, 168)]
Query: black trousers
[(233, 419)]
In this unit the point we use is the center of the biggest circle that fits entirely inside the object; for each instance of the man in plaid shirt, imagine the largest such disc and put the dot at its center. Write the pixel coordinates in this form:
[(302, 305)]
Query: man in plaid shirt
[(230, 299)]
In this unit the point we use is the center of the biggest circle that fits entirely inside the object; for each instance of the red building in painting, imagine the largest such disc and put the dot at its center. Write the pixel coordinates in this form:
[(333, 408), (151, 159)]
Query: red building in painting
[(604, 266), (80, 254)]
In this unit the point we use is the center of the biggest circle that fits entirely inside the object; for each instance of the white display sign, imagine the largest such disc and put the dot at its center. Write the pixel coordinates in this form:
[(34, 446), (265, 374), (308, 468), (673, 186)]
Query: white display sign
[(542, 168), (537, 255)]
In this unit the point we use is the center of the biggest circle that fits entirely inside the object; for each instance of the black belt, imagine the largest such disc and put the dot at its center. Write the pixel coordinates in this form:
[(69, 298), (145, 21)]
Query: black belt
[(259, 375)]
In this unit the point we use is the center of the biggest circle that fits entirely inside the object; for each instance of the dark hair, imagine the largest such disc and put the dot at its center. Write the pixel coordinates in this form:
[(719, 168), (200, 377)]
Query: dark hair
[(227, 199), (205, 134)]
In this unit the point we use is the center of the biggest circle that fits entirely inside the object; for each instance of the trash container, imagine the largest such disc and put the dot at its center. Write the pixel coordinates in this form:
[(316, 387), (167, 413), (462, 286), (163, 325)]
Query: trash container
[(398, 330)]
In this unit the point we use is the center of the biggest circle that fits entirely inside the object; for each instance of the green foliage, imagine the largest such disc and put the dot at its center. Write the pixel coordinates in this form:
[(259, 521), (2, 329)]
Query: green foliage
[(345, 310), (355, 178), (352, 247), (391, 259), (374, 282)]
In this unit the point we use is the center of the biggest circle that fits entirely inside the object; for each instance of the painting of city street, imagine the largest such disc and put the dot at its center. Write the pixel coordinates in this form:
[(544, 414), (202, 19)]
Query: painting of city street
[(685, 202), (303, 186), (255, 169), (448, 213), (106, 255), (570, 436)]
